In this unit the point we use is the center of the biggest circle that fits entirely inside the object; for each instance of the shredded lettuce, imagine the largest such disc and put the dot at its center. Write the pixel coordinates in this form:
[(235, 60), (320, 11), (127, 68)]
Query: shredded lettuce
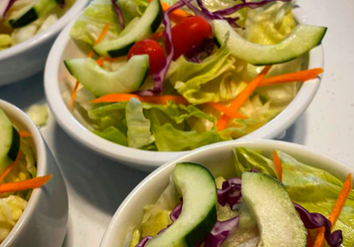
[(38, 114), (139, 134)]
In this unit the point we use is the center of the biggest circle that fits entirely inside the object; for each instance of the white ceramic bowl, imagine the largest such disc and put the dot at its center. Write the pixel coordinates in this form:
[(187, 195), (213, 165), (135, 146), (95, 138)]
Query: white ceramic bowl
[(44, 221), (56, 73), (28, 58), (218, 158)]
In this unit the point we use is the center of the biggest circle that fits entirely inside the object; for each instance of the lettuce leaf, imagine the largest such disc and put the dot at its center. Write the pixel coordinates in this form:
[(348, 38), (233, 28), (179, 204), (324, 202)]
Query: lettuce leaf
[(100, 12), (214, 79), (312, 188), (139, 134)]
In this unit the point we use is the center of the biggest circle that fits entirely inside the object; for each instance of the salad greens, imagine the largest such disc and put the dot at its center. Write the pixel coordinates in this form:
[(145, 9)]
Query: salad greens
[(314, 189), (21, 20), (219, 78)]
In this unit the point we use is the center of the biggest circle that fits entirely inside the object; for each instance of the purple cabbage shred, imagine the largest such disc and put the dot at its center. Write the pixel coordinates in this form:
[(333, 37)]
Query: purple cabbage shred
[(143, 241), (220, 232), (200, 52), (230, 193), (8, 6), (316, 220), (176, 212), (119, 14)]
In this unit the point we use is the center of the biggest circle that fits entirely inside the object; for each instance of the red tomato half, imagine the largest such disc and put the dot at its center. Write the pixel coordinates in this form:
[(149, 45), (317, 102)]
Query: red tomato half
[(188, 33), (153, 49)]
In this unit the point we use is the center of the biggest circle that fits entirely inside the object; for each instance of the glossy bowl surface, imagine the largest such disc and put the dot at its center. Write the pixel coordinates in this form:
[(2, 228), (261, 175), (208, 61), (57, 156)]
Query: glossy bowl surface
[(219, 159), (55, 87), (44, 220), (28, 58)]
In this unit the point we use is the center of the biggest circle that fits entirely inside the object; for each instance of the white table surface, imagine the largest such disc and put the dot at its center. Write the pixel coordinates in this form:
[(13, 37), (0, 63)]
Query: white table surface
[(97, 186)]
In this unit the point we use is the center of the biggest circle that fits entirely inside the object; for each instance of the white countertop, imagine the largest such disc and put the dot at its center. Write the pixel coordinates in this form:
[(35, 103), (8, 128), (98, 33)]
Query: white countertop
[(97, 186)]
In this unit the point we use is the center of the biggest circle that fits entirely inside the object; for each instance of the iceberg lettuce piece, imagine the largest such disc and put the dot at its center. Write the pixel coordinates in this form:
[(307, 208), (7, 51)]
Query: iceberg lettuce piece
[(38, 114), (139, 133), (213, 80)]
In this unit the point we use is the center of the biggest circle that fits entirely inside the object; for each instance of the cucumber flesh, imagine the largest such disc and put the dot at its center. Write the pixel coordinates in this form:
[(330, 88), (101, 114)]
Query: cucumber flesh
[(197, 186), (145, 26), (32, 13), (301, 40), (101, 82), (9, 142), (277, 220)]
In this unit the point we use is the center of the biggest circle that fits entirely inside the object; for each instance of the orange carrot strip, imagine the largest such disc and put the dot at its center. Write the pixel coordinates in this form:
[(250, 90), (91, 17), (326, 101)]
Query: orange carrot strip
[(24, 133), (26, 184), (162, 99), (9, 168), (226, 110), (90, 55), (299, 76), (309, 240), (242, 97), (157, 35), (176, 15), (342, 198), (277, 165)]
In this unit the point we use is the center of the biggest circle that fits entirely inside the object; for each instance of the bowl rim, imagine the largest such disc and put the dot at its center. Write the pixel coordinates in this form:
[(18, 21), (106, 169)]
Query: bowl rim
[(41, 165), (303, 151), (46, 34), (149, 160)]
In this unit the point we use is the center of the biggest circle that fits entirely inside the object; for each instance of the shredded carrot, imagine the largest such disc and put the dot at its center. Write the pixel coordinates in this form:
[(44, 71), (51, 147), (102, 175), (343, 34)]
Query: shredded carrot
[(176, 15), (226, 110), (309, 240), (299, 76), (9, 168), (242, 97), (277, 165), (157, 35), (90, 55), (26, 184), (342, 198), (162, 99), (24, 133)]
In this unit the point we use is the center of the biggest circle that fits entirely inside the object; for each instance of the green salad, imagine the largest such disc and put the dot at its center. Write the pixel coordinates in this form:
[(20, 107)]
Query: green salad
[(257, 204), (23, 19), (18, 173), (178, 75)]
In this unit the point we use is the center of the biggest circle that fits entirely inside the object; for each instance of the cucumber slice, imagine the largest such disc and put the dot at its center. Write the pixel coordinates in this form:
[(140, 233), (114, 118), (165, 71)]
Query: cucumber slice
[(146, 26), (197, 186), (9, 142), (101, 82), (301, 40), (32, 12), (276, 217)]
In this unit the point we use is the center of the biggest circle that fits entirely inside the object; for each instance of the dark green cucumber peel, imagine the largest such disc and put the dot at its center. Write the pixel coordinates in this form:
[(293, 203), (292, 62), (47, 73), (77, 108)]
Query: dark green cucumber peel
[(28, 17), (157, 22), (119, 52), (15, 146)]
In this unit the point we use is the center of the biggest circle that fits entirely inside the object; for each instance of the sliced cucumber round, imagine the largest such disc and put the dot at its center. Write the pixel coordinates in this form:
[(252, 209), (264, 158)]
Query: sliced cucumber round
[(9, 141), (277, 220), (301, 40), (146, 26), (197, 186), (32, 13), (101, 82)]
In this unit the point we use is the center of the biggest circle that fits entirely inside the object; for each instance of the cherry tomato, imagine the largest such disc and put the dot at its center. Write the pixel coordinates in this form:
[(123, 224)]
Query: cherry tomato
[(153, 49), (188, 33)]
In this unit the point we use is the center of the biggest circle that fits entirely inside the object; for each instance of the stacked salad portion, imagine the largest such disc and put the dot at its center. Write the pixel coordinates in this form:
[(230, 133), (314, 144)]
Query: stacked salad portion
[(177, 75), (21, 20), (264, 202), (18, 173)]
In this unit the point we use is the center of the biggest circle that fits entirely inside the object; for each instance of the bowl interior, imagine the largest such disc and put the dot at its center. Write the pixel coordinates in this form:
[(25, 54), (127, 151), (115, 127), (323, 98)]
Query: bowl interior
[(58, 94), (219, 160), (23, 122)]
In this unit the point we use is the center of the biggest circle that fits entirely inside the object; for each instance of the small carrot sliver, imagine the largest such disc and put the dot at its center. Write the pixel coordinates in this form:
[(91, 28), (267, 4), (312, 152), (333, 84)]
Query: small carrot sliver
[(26, 184), (242, 97), (338, 206), (157, 35), (226, 110), (309, 240), (176, 15), (90, 55), (299, 76), (9, 168), (277, 165), (113, 98), (24, 133)]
